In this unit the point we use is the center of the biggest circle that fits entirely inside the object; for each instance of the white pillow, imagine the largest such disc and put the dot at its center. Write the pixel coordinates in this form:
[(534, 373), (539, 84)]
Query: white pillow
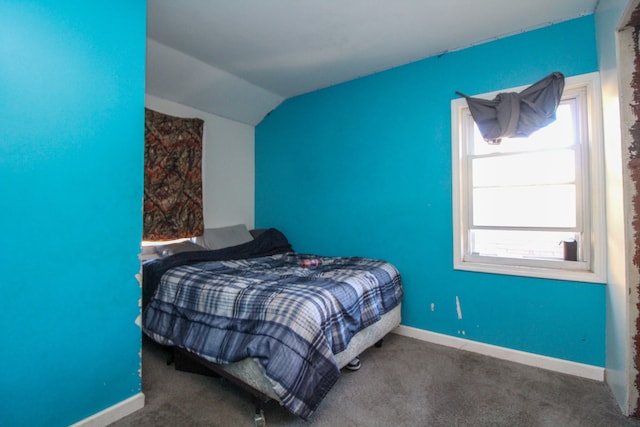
[(223, 237)]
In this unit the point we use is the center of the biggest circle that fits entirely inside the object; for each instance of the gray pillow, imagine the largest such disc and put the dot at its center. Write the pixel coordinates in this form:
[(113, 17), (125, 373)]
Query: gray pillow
[(223, 237), (174, 248)]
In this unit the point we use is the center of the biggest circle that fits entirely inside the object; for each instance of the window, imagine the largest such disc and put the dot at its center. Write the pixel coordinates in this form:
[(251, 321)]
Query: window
[(532, 206)]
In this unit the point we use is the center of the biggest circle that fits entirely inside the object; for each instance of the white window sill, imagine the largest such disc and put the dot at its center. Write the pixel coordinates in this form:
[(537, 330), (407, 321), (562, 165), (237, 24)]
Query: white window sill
[(527, 271)]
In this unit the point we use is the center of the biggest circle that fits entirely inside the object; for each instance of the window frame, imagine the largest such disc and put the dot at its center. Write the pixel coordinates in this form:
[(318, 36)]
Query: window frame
[(592, 199)]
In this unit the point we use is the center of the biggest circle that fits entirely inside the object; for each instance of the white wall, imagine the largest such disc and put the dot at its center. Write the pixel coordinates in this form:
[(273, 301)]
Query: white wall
[(227, 165)]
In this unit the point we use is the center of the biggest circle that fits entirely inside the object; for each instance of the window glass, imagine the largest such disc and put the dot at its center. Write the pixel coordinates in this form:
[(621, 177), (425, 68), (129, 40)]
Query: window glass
[(538, 168), (552, 206), (521, 244)]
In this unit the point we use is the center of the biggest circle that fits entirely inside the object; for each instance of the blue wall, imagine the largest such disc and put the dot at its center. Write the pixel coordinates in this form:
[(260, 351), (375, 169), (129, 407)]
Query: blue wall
[(364, 168), (71, 156)]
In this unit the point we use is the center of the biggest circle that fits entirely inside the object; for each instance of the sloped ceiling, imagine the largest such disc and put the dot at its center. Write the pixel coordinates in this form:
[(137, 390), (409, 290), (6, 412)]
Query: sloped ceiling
[(240, 59)]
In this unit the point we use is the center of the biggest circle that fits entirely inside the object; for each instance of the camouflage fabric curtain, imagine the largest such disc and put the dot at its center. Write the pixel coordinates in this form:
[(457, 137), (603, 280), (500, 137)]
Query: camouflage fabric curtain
[(172, 177)]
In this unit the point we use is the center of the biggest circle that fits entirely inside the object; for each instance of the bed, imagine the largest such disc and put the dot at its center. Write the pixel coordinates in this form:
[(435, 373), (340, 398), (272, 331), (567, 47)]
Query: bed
[(279, 323)]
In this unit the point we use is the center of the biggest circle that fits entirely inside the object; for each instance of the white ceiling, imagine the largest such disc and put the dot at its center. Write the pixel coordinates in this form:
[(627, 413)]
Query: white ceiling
[(240, 59)]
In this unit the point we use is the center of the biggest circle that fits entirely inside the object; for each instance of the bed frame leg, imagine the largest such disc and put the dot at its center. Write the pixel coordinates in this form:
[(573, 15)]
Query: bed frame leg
[(379, 343), (259, 418)]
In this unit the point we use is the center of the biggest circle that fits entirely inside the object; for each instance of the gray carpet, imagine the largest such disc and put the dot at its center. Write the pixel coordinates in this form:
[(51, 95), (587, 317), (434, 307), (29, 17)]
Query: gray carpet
[(407, 382)]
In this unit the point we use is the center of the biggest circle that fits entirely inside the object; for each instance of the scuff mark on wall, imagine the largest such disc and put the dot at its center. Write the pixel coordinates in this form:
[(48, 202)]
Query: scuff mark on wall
[(138, 320), (138, 277), (458, 308)]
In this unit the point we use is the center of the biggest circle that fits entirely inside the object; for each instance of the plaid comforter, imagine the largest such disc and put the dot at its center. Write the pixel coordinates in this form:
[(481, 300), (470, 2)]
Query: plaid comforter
[(291, 319)]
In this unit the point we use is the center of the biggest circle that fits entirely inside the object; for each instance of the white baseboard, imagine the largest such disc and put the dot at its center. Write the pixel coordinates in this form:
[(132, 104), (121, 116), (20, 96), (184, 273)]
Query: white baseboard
[(113, 413), (550, 363)]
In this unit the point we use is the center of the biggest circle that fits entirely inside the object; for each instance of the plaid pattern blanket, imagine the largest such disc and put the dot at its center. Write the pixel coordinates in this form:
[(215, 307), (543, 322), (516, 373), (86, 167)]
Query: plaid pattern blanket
[(291, 319)]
